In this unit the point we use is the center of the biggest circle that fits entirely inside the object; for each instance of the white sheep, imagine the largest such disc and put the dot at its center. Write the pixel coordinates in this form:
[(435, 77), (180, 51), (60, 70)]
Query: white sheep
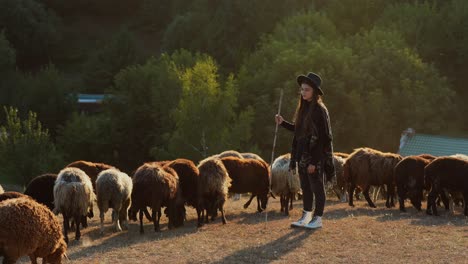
[(28, 228), (113, 190), (73, 197), (283, 182), (1, 189)]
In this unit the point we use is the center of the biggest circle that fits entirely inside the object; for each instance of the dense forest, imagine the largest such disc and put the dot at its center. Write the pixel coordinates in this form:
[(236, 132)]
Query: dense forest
[(195, 77)]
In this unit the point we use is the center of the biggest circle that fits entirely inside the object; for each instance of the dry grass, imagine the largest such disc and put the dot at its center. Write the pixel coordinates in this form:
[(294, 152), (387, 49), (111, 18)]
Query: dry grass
[(350, 235)]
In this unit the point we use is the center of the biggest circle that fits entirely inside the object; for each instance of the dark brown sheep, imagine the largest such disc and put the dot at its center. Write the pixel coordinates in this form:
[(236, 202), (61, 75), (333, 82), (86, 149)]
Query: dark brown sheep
[(409, 177), (249, 176), (189, 177), (156, 187), (41, 188), (92, 169), (28, 228), (446, 174), (212, 188), (367, 167), (11, 195)]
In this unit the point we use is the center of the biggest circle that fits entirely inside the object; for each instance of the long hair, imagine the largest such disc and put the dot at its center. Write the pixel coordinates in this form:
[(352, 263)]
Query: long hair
[(302, 118)]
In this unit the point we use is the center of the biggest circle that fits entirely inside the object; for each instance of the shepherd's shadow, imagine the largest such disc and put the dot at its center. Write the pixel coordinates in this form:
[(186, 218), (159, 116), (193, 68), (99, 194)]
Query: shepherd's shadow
[(271, 251)]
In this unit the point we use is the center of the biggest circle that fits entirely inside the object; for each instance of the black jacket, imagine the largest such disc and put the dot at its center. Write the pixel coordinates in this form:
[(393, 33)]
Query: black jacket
[(317, 146)]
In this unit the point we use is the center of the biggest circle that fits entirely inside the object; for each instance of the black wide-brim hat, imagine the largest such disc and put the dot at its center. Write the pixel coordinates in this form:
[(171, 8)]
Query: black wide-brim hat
[(311, 79)]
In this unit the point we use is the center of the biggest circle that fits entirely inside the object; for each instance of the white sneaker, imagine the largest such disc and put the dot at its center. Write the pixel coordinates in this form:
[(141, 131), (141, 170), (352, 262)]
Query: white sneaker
[(315, 223), (306, 217)]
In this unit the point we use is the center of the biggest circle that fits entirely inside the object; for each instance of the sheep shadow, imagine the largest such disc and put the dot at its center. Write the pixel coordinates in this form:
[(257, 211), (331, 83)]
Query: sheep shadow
[(92, 242), (271, 251), (383, 214), (253, 218)]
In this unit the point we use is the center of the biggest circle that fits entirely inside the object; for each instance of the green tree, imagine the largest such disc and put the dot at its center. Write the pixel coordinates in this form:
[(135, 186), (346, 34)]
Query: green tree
[(85, 137), (7, 55), (32, 29), (206, 121), (26, 149), (226, 30), (106, 62), (353, 16), (375, 85), (47, 93), (7, 71)]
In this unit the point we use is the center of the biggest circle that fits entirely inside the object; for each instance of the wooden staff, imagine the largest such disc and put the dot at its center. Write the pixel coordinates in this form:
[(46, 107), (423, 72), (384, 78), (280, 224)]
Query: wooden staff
[(276, 129)]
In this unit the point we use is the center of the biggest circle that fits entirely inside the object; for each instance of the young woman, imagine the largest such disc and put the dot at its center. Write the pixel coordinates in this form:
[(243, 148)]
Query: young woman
[(311, 148)]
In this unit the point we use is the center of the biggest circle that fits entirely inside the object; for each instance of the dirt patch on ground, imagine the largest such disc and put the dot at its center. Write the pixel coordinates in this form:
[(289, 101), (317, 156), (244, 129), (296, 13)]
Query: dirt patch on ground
[(349, 235)]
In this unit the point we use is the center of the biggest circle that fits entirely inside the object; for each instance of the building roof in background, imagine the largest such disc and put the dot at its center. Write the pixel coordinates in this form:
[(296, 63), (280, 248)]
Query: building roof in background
[(91, 98), (415, 144)]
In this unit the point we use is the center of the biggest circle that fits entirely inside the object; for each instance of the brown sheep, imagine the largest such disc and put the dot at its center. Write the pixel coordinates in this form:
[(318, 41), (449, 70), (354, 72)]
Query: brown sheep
[(41, 188), (409, 177), (30, 228), (11, 195), (249, 175), (92, 169), (189, 176), (156, 187), (446, 174), (212, 188), (366, 167)]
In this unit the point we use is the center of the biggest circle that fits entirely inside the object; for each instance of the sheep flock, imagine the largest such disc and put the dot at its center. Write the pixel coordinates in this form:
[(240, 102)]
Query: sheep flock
[(30, 226)]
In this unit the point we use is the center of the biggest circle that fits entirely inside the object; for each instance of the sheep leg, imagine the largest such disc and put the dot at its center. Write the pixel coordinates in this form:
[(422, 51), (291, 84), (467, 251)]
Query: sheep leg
[(465, 203), (156, 216), (402, 191), (9, 260), (66, 227), (101, 215), (84, 221), (77, 230), (390, 196), (259, 208), (445, 199), (206, 215), (140, 212), (223, 216), (431, 203), (147, 214), (115, 213), (282, 198), (246, 205), (199, 216), (352, 186), (123, 214), (33, 259), (291, 198), (368, 199)]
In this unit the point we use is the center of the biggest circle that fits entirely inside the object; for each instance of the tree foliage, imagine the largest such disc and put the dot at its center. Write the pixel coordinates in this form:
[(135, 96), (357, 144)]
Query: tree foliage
[(25, 148), (205, 120), (32, 29)]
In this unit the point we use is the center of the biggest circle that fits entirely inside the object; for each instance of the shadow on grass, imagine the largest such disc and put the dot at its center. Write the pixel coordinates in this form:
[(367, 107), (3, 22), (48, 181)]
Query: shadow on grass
[(383, 214), (271, 251), (113, 240)]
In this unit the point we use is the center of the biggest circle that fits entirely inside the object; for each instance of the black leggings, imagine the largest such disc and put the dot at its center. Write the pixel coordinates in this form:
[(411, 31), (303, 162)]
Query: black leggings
[(312, 185)]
